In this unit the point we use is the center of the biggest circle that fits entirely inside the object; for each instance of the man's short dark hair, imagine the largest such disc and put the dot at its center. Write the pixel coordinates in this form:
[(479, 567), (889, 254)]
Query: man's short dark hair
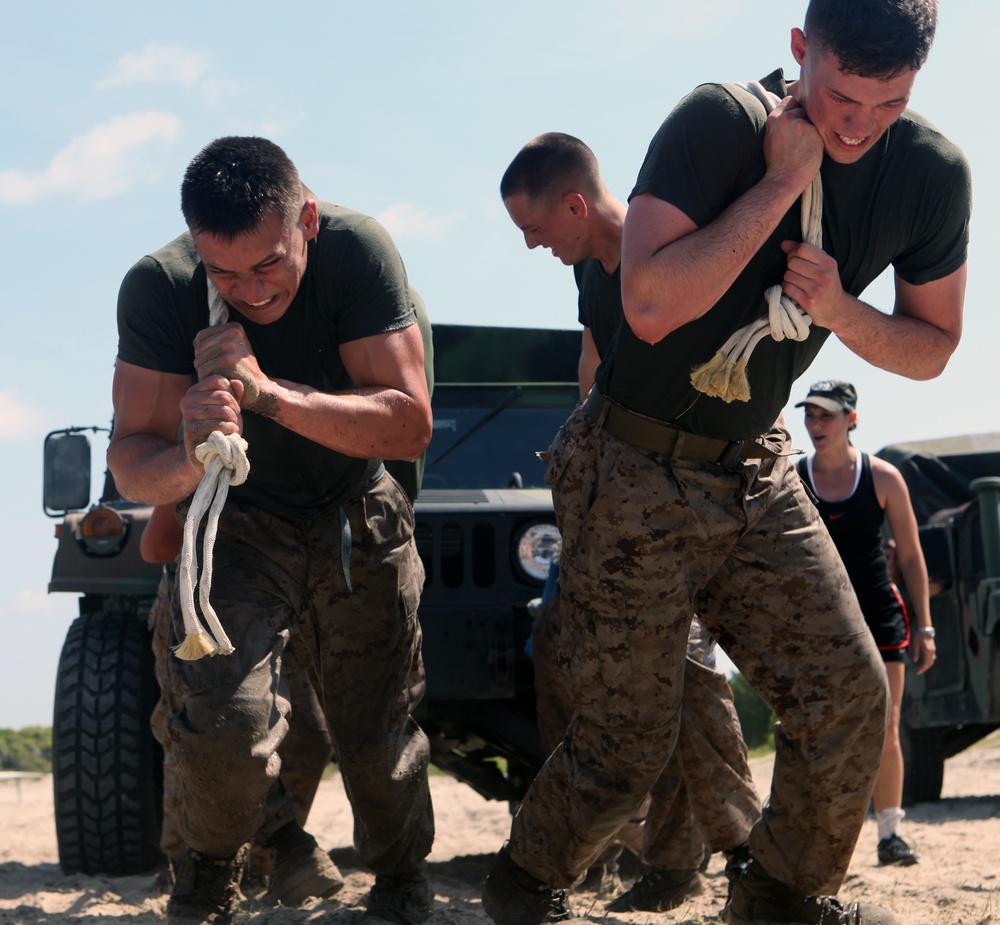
[(874, 38), (549, 165), (235, 183)]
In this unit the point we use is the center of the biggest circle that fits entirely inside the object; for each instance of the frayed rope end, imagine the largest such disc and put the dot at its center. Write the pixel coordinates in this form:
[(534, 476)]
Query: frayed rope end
[(195, 646)]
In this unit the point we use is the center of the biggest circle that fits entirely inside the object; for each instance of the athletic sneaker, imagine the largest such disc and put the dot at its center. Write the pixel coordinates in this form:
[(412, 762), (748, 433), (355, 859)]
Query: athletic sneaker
[(761, 900), (206, 890), (403, 898), (893, 850), (659, 890), (511, 896)]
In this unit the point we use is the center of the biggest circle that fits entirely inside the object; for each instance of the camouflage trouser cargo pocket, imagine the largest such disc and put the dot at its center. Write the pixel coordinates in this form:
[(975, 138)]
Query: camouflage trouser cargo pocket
[(565, 445)]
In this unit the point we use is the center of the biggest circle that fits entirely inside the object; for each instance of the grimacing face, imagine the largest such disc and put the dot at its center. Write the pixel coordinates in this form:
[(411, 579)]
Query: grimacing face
[(851, 113), (560, 227), (259, 273)]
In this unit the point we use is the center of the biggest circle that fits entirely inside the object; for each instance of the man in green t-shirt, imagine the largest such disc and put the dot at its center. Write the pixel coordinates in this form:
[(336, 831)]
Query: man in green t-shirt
[(554, 193), (321, 368), (296, 868), (671, 501)]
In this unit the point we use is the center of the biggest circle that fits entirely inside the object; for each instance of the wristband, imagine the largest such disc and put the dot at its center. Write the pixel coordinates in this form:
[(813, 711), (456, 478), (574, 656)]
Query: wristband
[(926, 630)]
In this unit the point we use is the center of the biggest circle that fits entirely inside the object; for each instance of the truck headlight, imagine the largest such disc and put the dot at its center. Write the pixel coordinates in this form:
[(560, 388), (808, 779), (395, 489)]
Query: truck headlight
[(102, 531), (536, 546)]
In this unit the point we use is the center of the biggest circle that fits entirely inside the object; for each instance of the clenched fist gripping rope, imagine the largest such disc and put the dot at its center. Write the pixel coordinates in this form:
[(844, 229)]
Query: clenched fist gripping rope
[(725, 375), (225, 461)]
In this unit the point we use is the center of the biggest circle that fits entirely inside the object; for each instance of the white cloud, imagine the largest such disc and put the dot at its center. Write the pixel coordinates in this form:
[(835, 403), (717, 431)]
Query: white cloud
[(404, 221), (29, 604), (18, 421), (158, 64), (93, 166)]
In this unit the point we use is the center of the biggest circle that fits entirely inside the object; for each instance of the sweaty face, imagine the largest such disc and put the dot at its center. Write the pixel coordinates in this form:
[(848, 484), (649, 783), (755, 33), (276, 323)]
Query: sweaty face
[(850, 112), (560, 228), (259, 273)]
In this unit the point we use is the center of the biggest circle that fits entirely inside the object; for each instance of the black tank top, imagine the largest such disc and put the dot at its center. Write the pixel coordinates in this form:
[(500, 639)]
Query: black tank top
[(855, 525)]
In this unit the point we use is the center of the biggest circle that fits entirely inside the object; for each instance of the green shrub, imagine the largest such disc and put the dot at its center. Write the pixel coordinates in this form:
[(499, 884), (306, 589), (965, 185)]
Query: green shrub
[(756, 717), (28, 749)]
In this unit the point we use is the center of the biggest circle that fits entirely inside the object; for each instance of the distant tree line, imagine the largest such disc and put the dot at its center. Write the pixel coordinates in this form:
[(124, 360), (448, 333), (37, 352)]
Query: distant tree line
[(756, 717), (28, 749)]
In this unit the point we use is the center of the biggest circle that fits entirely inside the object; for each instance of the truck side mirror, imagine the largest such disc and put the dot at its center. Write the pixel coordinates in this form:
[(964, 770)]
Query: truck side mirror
[(66, 473)]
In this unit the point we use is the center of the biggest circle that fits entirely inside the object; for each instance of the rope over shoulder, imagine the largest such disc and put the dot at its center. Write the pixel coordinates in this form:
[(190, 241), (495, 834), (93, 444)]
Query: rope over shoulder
[(225, 460), (725, 376)]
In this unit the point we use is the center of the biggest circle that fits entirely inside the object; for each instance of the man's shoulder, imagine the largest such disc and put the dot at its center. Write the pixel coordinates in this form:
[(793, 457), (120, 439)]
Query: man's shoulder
[(333, 216), (918, 137), (335, 219), (736, 98), (345, 231), (176, 260)]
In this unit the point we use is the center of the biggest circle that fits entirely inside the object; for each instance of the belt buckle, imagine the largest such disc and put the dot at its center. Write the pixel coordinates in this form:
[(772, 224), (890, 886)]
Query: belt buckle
[(732, 452)]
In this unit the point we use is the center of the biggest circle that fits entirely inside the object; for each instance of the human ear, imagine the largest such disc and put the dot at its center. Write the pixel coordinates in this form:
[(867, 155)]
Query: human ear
[(576, 204), (799, 46), (309, 218)]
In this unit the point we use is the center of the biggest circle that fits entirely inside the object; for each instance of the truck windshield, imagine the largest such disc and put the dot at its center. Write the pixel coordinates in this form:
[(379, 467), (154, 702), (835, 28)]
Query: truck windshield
[(487, 436)]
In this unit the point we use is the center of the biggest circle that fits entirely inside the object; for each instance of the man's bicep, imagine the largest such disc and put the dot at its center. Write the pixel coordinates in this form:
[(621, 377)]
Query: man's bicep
[(650, 225), (938, 303), (392, 360), (146, 401)]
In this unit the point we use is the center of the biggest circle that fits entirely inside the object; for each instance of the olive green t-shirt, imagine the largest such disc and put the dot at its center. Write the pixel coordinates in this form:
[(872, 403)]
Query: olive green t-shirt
[(904, 204), (600, 303), (354, 286)]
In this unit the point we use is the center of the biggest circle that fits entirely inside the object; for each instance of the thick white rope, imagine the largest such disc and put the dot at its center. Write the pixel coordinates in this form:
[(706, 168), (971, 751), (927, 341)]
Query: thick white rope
[(724, 376), (225, 461)]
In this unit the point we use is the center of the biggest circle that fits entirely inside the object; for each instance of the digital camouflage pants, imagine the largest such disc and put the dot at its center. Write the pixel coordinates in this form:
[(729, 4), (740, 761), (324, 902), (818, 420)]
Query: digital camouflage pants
[(647, 541), (305, 751), (290, 607), (718, 806)]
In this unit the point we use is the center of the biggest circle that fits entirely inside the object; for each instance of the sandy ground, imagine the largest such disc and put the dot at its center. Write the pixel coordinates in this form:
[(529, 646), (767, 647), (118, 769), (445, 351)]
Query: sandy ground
[(957, 881)]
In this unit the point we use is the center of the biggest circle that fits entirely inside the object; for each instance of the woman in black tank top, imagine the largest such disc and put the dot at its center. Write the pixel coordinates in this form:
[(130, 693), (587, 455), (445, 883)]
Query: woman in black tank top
[(855, 494)]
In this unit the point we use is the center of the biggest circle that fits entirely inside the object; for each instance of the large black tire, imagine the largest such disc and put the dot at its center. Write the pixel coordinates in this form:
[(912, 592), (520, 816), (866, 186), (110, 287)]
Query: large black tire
[(107, 767), (923, 759)]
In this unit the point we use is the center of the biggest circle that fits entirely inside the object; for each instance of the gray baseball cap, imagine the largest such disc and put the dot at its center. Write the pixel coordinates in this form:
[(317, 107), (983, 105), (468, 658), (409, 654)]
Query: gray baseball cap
[(831, 395)]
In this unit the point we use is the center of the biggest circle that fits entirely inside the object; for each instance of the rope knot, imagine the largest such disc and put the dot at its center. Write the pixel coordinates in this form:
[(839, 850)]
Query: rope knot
[(229, 451)]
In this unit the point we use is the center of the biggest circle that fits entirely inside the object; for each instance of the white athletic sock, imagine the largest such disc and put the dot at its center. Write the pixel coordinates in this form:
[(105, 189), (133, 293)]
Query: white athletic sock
[(888, 822)]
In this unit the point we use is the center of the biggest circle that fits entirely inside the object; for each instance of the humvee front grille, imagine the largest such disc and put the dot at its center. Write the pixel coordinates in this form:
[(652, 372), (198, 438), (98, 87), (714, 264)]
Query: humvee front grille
[(458, 552)]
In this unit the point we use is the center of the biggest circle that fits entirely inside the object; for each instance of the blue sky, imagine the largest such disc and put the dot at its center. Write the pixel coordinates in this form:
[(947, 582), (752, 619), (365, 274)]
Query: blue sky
[(406, 111)]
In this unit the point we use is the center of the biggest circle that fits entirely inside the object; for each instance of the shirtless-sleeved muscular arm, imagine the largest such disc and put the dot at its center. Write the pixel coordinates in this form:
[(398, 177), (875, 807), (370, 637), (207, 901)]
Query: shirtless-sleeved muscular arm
[(385, 416), (149, 464), (916, 340), (674, 271)]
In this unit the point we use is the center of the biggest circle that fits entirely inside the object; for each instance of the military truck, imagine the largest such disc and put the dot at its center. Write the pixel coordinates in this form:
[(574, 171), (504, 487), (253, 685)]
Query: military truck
[(485, 532), (954, 485)]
